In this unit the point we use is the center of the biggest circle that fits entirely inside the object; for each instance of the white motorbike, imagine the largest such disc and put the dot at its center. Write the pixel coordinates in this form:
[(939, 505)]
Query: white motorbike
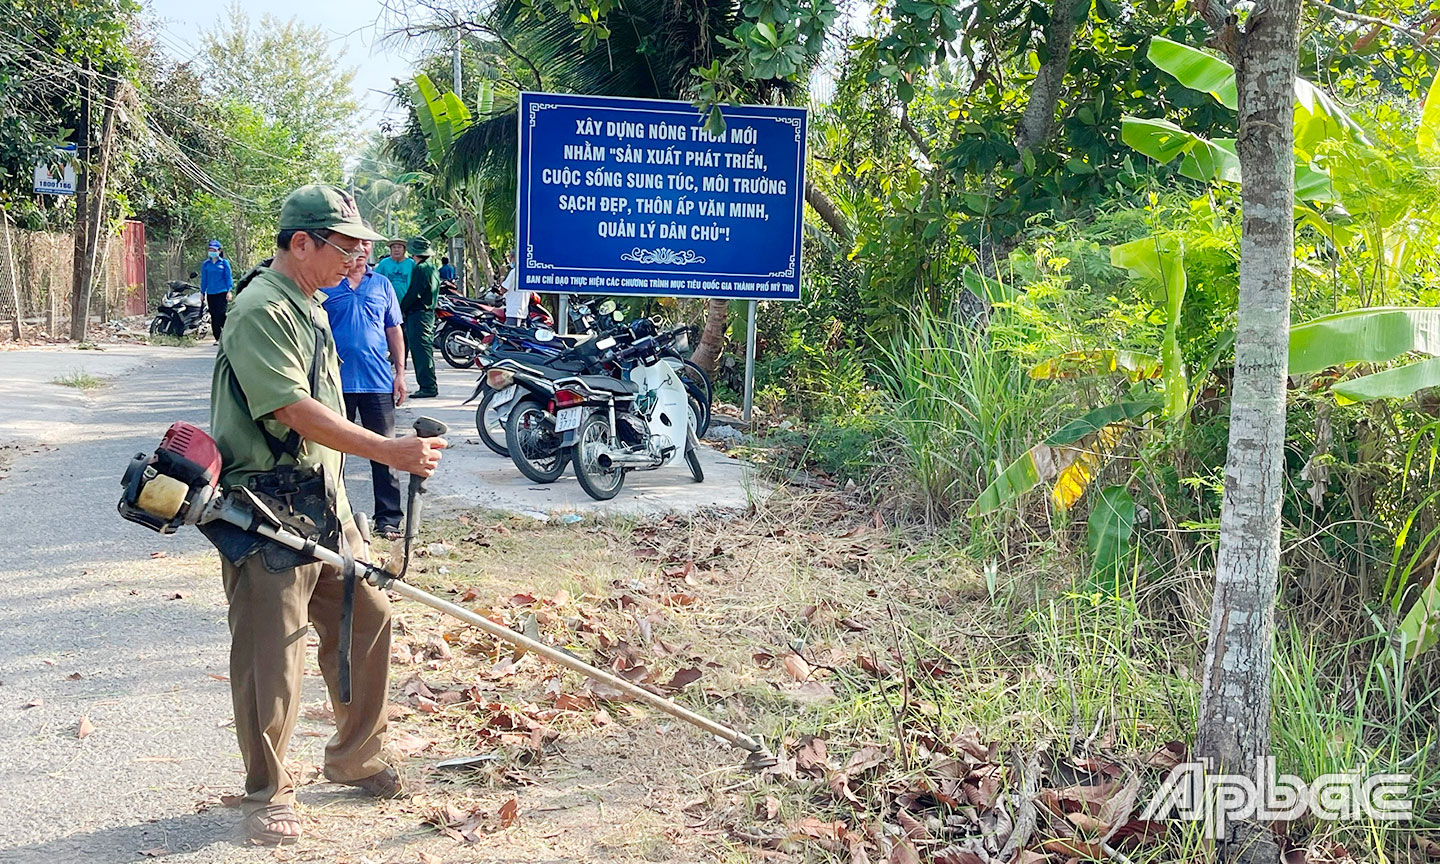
[(612, 427)]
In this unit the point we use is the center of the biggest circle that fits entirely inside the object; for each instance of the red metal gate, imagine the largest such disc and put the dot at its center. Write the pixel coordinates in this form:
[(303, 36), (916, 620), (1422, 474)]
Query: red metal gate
[(133, 236)]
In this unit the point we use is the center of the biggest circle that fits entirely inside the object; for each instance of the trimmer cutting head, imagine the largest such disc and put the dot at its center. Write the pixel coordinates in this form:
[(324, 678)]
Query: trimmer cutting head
[(759, 760)]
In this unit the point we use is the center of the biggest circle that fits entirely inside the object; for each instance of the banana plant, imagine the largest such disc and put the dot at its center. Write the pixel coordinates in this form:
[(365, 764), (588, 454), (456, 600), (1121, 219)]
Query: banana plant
[(1317, 118), (1072, 456), (442, 118)]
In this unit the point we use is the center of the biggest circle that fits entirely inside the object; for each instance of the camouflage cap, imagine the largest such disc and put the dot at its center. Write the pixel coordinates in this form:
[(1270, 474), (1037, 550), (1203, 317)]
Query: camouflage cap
[(418, 246), (319, 205)]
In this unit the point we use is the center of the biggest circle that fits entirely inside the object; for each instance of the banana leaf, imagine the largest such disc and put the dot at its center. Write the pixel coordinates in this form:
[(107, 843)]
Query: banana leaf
[(1160, 261), (1195, 69), (1109, 530), (1427, 134), (442, 118), (1317, 116), (1375, 335), (1135, 365), (1212, 160), (1391, 384), (1071, 457), (1420, 629)]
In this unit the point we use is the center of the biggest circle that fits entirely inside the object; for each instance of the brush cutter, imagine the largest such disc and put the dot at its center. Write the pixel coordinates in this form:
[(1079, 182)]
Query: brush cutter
[(179, 485)]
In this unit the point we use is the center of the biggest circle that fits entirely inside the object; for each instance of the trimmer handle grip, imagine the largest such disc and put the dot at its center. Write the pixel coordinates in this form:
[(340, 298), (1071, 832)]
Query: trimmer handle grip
[(429, 427)]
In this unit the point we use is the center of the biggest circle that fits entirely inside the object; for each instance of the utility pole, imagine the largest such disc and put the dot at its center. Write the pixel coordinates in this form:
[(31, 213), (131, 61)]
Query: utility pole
[(78, 304), (457, 243), (95, 216)]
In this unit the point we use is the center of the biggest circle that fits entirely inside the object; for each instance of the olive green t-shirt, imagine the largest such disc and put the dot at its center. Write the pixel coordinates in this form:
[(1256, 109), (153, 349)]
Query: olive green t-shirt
[(268, 341)]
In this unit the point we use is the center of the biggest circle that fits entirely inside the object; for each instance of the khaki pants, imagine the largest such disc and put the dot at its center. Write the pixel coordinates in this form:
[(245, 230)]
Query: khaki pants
[(268, 617)]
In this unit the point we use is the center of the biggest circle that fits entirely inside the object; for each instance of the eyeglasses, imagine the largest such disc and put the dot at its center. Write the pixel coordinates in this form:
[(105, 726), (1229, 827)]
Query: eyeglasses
[(350, 255)]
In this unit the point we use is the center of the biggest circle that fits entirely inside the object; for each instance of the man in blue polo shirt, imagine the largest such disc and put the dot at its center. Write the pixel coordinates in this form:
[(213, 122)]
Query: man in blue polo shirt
[(365, 319), (216, 282)]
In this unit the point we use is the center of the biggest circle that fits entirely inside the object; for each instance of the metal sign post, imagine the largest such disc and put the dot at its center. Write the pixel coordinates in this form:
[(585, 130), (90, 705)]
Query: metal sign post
[(749, 361)]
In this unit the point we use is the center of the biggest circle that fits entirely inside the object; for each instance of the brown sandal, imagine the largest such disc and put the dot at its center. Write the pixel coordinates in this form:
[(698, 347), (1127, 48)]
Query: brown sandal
[(383, 784), (258, 824)]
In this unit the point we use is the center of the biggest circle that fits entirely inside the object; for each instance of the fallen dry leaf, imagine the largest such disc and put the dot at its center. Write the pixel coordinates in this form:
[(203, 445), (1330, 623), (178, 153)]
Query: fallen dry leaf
[(160, 554), (157, 851), (85, 727), (681, 679), (176, 596), (427, 858), (960, 855), (903, 852), (408, 744), (1116, 812), (772, 807), (1173, 753), (509, 812), (73, 676), (796, 667), (37, 702)]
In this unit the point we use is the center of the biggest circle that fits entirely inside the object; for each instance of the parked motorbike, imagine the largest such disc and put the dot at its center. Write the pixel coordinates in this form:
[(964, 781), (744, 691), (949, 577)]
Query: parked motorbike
[(465, 325), (182, 311), (521, 382), (611, 427)]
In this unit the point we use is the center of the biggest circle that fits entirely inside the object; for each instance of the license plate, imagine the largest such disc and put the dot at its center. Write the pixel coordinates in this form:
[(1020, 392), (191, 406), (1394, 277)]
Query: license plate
[(567, 419), (503, 396)]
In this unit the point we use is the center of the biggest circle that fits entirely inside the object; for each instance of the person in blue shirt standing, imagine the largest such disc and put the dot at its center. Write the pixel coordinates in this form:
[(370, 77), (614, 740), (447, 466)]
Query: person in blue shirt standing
[(365, 320), (397, 268), (216, 283), (447, 270)]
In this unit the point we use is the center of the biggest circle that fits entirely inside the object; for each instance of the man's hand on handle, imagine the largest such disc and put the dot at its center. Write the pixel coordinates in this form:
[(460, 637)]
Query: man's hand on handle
[(413, 454)]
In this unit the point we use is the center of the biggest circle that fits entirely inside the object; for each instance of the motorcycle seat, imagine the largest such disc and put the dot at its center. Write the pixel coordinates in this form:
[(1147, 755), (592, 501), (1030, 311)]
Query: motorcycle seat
[(607, 384)]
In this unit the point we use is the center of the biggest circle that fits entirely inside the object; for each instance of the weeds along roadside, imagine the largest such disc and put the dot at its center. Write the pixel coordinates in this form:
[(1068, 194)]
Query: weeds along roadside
[(950, 408), (808, 620)]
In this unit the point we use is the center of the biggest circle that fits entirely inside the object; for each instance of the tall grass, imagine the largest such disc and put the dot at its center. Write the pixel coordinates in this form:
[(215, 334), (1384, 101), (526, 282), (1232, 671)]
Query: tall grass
[(961, 408)]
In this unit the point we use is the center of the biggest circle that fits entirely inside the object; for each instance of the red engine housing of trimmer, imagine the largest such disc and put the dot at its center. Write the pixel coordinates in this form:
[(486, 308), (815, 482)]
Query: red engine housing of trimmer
[(191, 454), (187, 454)]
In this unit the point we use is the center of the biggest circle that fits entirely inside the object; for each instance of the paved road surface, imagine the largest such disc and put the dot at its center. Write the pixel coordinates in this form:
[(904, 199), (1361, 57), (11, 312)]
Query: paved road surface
[(88, 626)]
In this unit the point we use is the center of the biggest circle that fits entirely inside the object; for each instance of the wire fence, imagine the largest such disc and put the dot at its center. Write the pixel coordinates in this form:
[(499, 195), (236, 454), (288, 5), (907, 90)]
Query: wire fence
[(37, 277)]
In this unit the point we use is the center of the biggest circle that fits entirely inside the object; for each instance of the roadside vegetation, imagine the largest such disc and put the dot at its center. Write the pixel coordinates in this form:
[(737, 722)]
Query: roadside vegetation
[(79, 379)]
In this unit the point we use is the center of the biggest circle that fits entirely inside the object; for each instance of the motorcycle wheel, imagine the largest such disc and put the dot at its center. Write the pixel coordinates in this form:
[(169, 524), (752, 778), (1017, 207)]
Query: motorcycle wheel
[(692, 458), (534, 447), (457, 353), (158, 326), (699, 412), (489, 425), (599, 483)]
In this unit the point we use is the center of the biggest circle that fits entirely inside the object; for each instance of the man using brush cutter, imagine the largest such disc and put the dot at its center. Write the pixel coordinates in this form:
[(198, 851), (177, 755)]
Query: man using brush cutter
[(277, 416)]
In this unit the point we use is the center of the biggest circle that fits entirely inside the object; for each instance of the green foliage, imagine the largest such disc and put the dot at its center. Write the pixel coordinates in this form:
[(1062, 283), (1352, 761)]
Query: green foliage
[(1110, 528), (44, 49)]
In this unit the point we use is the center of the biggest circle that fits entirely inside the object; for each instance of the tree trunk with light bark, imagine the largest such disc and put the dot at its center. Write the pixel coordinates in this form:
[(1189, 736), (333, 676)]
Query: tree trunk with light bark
[(1234, 724)]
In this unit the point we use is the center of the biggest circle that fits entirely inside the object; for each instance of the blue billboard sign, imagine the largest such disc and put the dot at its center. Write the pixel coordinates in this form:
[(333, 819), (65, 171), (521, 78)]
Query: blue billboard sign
[(633, 196)]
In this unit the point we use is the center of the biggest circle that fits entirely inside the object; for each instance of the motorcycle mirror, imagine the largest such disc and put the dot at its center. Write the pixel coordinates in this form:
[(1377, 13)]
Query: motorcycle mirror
[(544, 334), (607, 306), (617, 316), (193, 274)]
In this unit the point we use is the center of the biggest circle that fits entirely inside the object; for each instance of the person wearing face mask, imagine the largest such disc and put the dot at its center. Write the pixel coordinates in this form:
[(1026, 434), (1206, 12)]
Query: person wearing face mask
[(216, 282)]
